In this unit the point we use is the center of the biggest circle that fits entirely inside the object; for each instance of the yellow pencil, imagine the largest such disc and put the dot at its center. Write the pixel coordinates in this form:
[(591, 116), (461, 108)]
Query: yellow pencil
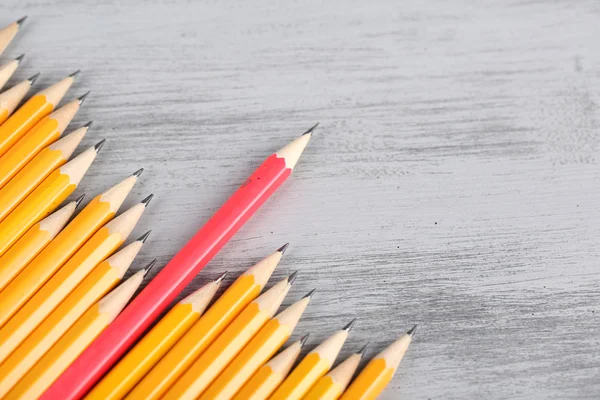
[(269, 376), (100, 246), (257, 352), (32, 242), (6, 71), (233, 339), (45, 132), (138, 361), (101, 209), (29, 114), (316, 364), (8, 33), (245, 289), (38, 169), (10, 99), (379, 371), (75, 340), (45, 198), (100, 281), (332, 385)]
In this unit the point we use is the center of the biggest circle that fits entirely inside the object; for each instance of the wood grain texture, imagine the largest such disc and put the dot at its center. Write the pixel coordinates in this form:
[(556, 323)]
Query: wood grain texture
[(453, 181)]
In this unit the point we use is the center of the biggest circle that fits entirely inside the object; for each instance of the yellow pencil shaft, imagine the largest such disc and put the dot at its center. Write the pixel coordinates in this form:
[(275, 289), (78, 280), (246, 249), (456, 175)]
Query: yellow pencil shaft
[(28, 178), (370, 382), (310, 369), (261, 384), (3, 116), (41, 268), (100, 246), (197, 339), (42, 134), (23, 120), (45, 198), (325, 389), (61, 355), (206, 368), (155, 344), (16, 258), (266, 342), (97, 284)]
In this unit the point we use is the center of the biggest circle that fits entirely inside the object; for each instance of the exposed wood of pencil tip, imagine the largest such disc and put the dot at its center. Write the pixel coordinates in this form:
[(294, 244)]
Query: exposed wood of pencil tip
[(114, 302), (54, 223), (126, 221), (269, 301), (11, 98), (67, 144), (78, 166), (292, 151), (115, 195), (55, 93), (123, 258), (201, 298), (263, 269)]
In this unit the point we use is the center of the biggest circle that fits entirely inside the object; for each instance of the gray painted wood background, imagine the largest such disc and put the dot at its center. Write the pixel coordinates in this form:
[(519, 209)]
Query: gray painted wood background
[(453, 182)]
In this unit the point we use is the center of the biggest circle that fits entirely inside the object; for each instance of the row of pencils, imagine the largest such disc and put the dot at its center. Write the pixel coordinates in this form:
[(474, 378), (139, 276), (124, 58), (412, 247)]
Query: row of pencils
[(70, 323)]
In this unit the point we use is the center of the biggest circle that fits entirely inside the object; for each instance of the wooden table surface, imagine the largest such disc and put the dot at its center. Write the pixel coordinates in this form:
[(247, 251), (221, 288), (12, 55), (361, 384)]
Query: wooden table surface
[(453, 181)]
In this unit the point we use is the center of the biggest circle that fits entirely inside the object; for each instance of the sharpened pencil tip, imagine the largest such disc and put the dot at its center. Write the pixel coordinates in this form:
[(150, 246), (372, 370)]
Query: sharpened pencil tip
[(350, 325), (149, 267), (221, 277), (138, 173), (20, 21), (144, 237), (362, 351), (74, 74), (33, 78), (412, 331), (283, 248), (82, 98), (309, 294), (79, 200), (147, 200), (98, 146), (20, 58), (292, 277), (304, 339), (310, 131)]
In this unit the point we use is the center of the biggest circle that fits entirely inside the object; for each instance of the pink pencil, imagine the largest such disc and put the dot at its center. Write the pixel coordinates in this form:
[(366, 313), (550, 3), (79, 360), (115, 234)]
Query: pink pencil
[(97, 359)]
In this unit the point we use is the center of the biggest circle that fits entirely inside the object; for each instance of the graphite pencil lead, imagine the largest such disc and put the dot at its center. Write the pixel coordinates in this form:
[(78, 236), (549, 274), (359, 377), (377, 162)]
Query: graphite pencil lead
[(412, 331), (79, 200), (33, 78), (283, 248), (98, 146), (74, 74), (292, 278), (147, 200), (144, 237), (304, 339), (309, 294), (20, 58), (138, 172), (221, 277), (310, 131), (350, 325), (149, 267), (20, 21), (82, 98), (362, 351), (88, 125)]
